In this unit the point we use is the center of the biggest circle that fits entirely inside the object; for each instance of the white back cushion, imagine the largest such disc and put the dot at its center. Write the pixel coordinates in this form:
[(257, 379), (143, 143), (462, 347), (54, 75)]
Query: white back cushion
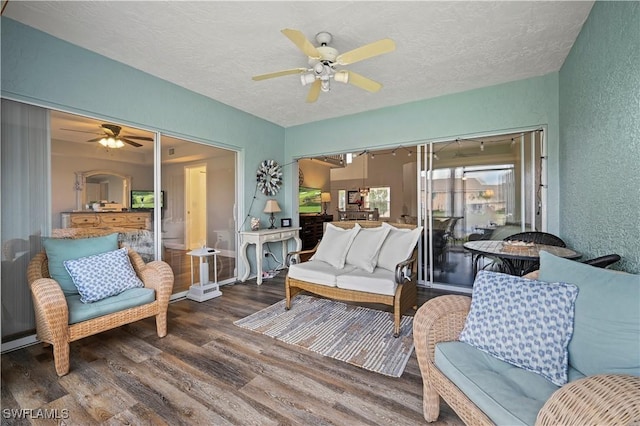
[(366, 247), (335, 244), (398, 246)]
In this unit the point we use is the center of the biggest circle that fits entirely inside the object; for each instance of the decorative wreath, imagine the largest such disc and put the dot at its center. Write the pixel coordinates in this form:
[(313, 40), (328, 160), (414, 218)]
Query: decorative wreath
[(269, 177)]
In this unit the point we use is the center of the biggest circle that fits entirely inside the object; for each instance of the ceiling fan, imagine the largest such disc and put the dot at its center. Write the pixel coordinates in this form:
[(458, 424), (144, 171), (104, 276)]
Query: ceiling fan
[(323, 61), (111, 137)]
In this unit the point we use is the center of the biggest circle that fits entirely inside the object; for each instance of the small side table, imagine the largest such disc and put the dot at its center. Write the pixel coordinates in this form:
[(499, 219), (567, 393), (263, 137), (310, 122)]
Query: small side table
[(206, 289)]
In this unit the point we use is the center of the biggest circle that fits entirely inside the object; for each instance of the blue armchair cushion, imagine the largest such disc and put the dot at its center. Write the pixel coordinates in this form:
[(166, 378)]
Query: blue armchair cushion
[(102, 275), (524, 322), (79, 312), (606, 335), (59, 249)]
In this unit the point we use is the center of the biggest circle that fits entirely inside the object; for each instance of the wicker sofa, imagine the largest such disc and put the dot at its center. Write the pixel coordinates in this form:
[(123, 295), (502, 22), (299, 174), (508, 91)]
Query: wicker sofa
[(61, 316), (365, 262), (603, 383)]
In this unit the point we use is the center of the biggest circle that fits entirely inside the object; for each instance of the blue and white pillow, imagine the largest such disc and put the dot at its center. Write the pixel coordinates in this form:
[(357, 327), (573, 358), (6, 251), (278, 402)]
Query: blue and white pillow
[(524, 322), (102, 275)]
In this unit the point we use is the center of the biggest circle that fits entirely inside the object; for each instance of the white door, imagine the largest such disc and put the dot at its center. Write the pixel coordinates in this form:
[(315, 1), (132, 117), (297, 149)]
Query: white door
[(196, 206)]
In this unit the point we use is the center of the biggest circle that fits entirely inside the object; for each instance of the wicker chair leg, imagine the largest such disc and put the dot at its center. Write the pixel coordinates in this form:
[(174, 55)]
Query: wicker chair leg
[(161, 324), (430, 403), (396, 323), (61, 358)]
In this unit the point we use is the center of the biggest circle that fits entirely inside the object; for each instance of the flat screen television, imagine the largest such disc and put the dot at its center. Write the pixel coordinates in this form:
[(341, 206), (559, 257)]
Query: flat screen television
[(309, 200), (142, 199)]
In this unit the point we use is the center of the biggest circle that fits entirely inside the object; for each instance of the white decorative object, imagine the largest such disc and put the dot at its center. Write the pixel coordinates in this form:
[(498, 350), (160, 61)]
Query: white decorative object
[(255, 224), (269, 177), (205, 289)]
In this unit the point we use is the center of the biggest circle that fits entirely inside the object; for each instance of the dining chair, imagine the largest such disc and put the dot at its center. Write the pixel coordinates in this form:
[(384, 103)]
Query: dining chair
[(603, 261), (523, 267)]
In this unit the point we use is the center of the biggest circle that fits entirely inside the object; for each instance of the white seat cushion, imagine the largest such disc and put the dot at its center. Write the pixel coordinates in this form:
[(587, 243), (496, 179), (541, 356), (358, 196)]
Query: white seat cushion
[(381, 281), (317, 272)]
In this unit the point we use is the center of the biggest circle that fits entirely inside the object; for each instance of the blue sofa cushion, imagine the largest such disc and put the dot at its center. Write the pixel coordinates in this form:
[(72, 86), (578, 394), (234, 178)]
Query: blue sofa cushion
[(102, 275), (58, 250), (508, 395), (79, 311), (606, 334), (524, 322)]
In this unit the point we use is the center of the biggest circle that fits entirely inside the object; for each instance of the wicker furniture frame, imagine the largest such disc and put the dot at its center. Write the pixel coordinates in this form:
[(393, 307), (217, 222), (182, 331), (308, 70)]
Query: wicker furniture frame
[(600, 399), (405, 296), (52, 315)]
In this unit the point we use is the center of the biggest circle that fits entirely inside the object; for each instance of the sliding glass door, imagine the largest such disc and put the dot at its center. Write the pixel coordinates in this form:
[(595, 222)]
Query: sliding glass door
[(69, 176), (199, 184), (476, 188)]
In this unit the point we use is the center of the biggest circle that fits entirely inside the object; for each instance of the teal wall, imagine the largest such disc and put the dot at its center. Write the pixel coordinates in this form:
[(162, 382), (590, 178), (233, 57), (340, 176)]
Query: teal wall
[(590, 110), (600, 136), (497, 109), (49, 72)]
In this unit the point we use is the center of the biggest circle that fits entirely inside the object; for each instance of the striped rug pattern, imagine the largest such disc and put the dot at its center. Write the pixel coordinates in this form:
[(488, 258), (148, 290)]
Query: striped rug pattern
[(354, 334)]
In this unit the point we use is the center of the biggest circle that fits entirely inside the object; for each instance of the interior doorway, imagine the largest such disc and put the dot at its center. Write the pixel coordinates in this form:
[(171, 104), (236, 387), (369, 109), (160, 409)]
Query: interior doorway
[(196, 206)]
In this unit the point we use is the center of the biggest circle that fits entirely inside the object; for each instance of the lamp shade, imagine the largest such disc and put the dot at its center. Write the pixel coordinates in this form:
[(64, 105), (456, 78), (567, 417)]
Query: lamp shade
[(272, 207), (325, 197)]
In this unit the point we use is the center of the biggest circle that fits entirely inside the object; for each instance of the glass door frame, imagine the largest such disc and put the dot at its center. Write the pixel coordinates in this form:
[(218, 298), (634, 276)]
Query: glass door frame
[(425, 157)]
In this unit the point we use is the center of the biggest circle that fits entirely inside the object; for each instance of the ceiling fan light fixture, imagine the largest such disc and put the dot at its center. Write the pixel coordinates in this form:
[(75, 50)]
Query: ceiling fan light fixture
[(307, 79), (341, 76), (111, 143)]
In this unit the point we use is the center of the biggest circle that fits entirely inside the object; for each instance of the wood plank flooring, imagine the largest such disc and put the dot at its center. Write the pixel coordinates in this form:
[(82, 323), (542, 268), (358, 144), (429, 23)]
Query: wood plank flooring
[(207, 371)]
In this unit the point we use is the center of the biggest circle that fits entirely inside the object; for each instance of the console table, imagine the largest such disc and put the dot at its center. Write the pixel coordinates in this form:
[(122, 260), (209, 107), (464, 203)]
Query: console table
[(259, 238)]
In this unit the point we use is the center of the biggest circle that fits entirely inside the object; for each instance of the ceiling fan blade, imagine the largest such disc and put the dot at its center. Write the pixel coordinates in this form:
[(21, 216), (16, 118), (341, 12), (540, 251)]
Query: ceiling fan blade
[(314, 92), (363, 82), (96, 139), (132, 143), (140, 138), (302, 42), (111, 129), (367, 51), (81, 131), (279, 74)]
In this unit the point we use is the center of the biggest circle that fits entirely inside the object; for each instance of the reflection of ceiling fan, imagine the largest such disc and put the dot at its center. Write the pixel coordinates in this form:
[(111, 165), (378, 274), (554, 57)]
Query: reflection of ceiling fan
[(111, 137), (324, 59)]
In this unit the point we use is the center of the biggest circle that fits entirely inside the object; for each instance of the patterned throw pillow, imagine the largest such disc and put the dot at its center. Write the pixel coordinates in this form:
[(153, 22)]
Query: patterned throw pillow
[(524, 322), (102, 275)]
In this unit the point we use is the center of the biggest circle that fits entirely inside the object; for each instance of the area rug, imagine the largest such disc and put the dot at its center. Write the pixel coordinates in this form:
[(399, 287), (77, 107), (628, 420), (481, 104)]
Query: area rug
[(354, 334)]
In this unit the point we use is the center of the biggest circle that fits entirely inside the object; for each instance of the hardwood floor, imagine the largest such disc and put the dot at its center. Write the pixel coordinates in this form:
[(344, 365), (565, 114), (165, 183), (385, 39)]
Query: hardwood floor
[(207, 371)]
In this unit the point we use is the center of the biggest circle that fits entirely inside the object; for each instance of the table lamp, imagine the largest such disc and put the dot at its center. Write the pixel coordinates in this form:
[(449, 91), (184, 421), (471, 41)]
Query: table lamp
[(272, 207), (325, 197)]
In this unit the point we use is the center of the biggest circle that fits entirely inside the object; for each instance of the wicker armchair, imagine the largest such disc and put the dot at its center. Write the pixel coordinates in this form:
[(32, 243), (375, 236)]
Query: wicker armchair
[(52, 314), (599, 399)]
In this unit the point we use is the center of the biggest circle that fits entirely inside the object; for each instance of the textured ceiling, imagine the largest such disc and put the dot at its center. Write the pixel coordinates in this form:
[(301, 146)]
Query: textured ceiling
[(214, 48)]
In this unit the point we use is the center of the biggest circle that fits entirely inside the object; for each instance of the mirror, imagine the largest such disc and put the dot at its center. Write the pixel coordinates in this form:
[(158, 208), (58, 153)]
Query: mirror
[(96, 185)]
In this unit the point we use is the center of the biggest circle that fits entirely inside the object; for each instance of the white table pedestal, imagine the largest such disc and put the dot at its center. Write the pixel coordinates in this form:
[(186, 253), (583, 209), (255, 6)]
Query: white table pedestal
[(205, 289)]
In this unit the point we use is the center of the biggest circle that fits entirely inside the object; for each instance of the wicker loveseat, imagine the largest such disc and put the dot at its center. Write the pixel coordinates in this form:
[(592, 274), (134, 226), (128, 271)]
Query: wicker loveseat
[(603, 383), (373, 263), (62, 318)]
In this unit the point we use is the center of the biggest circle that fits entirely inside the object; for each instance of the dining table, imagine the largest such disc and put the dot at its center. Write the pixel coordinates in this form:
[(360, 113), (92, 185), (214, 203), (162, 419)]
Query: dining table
[(507, 252)]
